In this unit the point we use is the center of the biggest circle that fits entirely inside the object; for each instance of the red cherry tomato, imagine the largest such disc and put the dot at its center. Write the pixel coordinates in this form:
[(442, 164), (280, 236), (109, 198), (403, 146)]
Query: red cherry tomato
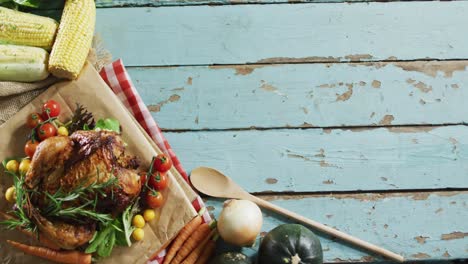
[(158, 180), (154, 199), (51, 107), (162, 163), (30, 148), (46, 130), (33, 120)]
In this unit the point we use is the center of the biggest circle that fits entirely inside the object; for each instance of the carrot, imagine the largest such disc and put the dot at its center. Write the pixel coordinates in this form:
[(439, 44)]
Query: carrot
[(181, 237), (67, 257), (42, 239), (207, 251), (195, 254), (192, 242)]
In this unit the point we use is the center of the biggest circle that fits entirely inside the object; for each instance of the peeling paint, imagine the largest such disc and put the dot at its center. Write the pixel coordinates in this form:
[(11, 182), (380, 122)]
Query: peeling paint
[(271, 180), (421, 255), (372, 115), (189, 81), (454, 86), (327, 85), (359, 57), (270, 88), (421, 239), (210, 208), (454, 235), (387, 120), (328, 182), (306, 125), (305, 110), (423, 87), (420, 196), (329, 216), (431, 68), (240, 69), (383, 179), (385, 226), (446, 254), (295, 60), (376, 84), (413, 129), (321, 153), (439, 210), (157, 107), (196, 120), (421, 101), (345, 96), (362, 83), (178, 89)]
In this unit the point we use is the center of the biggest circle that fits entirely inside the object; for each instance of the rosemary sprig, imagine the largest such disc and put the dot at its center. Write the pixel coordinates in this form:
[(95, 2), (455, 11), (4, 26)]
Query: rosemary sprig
[(22, 219), (55, 206)]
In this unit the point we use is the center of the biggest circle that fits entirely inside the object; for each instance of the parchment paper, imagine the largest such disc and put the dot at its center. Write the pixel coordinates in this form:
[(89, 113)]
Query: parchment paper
[(91, 91)]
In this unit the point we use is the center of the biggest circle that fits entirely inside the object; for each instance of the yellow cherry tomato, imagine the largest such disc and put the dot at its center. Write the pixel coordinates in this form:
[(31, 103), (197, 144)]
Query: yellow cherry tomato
[(62, 131), (138, 221), (12, 166), (149, 215), (24, 165), (10, 194), (138, 234)]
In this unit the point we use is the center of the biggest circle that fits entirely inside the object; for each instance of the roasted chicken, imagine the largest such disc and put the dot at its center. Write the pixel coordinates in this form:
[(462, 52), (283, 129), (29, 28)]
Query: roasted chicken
[(63, 164)]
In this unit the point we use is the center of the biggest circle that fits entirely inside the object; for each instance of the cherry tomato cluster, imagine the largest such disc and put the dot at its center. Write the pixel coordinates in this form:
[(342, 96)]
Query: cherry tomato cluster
[(42, 125), (156, 180)]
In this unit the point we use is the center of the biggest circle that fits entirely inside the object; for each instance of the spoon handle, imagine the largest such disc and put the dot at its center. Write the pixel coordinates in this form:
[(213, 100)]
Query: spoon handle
[(327, 230)]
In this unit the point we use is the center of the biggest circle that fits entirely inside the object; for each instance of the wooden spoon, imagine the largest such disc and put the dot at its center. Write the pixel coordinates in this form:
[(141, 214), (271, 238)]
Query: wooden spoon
[(213, 183)]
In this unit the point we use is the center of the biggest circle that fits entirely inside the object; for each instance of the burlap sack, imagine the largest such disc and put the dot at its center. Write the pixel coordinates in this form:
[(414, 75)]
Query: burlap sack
[(15, 95)]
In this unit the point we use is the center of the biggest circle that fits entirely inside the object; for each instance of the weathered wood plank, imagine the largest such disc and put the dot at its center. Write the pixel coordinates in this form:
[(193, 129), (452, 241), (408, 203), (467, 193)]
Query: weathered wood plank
[(157, 3), (420, 226), (315, 160), (285, 33), (52, 4), (305, 95)]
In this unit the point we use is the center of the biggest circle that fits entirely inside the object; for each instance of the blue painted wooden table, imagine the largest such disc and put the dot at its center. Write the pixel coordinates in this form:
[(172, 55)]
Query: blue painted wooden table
[(353, 114)]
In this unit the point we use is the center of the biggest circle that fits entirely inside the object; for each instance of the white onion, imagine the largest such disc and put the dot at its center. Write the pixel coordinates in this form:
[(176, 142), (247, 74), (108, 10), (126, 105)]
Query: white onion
[(240, 222)]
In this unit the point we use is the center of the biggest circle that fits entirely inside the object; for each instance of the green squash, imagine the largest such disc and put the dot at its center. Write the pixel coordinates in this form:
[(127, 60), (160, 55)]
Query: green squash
[(231, 258), (290, 244)]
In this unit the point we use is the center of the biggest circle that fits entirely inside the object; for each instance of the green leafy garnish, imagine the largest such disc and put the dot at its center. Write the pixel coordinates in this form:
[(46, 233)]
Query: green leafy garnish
[(109, 124), (117, 232)]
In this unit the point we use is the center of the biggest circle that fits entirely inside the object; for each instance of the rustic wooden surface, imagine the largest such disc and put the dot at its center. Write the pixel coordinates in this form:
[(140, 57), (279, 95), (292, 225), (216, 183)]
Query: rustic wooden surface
[(351, 114)]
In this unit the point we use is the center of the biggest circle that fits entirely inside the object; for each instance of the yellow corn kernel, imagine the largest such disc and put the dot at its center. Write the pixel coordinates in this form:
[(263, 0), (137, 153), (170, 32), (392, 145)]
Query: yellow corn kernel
[(26, 29), (74, 39)]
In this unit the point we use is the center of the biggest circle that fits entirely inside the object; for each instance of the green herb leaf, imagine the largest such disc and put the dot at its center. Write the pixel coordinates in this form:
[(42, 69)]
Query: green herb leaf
[(125, 221), (108, 124), (105, 249)]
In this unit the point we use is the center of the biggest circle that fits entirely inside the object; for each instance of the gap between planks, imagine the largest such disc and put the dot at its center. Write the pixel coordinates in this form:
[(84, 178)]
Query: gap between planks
[(417, 194), (312, 60), (187, 3), (395, 128), (156, 4)]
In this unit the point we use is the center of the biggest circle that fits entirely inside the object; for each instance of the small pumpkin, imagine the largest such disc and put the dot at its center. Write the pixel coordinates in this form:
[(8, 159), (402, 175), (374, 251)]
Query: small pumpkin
[(231, 258), (290, 244)]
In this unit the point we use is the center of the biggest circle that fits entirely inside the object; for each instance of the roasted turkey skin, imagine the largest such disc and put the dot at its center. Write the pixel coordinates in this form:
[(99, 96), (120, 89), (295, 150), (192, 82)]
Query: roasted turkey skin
[(84, 158)]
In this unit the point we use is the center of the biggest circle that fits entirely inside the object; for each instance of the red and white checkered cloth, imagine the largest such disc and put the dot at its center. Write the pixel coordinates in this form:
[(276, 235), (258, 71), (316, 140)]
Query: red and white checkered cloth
[(116, 76)]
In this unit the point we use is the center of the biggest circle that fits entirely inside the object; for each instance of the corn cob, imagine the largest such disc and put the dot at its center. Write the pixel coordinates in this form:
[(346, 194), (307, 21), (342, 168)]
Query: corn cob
[(74, 39), (22, 63), (26, 29)]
